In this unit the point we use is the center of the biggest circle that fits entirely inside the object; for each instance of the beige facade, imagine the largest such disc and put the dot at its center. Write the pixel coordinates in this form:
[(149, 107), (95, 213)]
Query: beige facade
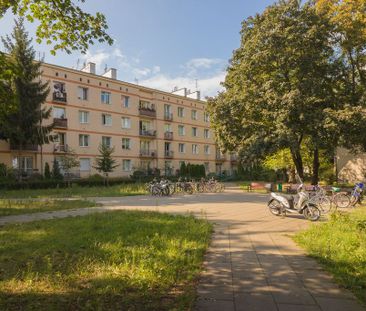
[(351, 167), (148, 128)]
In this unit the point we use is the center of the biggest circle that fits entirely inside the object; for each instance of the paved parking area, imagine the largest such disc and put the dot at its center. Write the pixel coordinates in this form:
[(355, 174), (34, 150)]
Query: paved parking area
[(252, 263)]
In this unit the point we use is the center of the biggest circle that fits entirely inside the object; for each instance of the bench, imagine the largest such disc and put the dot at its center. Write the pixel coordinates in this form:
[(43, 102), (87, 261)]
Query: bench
[(292, 188), (258, 186)]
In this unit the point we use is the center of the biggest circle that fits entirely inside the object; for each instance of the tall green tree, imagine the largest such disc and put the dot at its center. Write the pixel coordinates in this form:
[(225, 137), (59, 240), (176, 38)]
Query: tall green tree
[(23, 122), (281, 86), (105, 163), (61, 23)]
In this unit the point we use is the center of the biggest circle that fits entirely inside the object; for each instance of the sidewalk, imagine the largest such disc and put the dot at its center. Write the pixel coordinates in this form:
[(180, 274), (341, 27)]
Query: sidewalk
[(252, 263)]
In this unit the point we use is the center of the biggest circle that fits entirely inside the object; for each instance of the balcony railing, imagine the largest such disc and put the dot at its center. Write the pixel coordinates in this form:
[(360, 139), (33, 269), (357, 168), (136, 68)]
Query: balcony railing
[(168, 154), (57, 148), (220, 157), (60, 123), (60, 97), (24, 147), (148, 133), (168, 135), (168, 116), (148, 153), (148, 112)]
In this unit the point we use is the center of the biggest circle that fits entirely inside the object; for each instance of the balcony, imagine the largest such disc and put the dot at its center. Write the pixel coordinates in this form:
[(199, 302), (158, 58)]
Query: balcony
[(168, 154), (148, 154), (148, 133), (59, 97), (57, 148), (60, 123), (220, 158), (24, 147), (168, 135), (147, 110), (168, 116)]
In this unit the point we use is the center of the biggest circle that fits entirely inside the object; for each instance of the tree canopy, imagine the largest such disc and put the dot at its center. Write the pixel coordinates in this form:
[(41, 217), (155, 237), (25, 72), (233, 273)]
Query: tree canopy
[(286, 85), (63, 24)]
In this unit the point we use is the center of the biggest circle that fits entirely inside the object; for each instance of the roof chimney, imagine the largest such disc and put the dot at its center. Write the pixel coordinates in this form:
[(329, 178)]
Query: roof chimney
[(111, 73), (89, 68)]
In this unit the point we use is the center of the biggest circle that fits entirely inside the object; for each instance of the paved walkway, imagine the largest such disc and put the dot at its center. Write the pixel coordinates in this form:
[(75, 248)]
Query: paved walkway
[(251, 264)]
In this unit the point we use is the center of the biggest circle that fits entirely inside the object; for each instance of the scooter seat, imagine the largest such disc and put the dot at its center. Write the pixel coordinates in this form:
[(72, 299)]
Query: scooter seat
[(288, 197)]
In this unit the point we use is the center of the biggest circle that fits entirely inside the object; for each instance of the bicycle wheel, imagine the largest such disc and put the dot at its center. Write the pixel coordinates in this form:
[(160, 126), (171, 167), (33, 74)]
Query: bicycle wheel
[(342, 200), (312, 212), (353, 201), (324, 204)]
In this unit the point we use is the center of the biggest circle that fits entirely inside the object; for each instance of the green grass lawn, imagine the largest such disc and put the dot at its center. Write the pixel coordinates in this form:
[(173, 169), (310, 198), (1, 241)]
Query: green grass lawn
[(340, 246), (113, 261), (17, 207), (77, 191)]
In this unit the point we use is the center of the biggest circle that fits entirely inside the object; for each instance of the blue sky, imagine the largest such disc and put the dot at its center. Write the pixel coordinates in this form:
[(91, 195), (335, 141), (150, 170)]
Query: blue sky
[(163, 43)]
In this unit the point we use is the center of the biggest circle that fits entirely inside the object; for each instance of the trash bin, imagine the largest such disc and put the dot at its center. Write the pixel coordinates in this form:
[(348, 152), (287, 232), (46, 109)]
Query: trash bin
[(279, 187)]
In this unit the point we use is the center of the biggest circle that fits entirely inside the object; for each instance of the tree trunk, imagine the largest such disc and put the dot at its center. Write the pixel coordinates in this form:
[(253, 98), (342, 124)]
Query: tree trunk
[(316, 164), (297, 159)]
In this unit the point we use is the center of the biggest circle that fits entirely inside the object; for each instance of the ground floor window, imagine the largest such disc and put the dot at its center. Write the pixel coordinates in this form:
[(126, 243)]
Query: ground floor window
[(84, 164), (126, 165), (218, 169), (207, 167), (25, 164)]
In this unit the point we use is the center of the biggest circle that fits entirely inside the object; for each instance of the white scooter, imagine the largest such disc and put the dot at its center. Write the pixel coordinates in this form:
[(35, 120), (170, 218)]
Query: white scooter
[(280, 204)]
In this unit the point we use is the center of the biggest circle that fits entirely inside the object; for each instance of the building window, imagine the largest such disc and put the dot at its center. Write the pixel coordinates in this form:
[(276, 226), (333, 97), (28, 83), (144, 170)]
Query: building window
[(107, 141), (182, 148), (106, 119), (206, 117), (84, 164), (83, 93), (194, 132), (105, 97), (194, 149), (126, 165), (207, 149), (180, 112), (126, 143), (181, 130), (59, 113), (126, 123), (25, 164), (84, 116), (83, 140), (206, 133), (194, 114), (125, 101)]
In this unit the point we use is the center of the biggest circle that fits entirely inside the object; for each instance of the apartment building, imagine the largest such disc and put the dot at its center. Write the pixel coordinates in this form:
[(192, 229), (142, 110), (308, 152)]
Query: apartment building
[(149, 129)]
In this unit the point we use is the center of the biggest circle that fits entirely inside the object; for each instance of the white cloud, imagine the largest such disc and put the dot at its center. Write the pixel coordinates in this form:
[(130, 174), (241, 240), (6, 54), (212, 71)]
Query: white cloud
[(208, 86), (100, 58), (203, 62)]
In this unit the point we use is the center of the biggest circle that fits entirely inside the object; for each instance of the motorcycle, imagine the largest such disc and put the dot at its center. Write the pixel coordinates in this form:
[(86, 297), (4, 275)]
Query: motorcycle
[(280, 204)]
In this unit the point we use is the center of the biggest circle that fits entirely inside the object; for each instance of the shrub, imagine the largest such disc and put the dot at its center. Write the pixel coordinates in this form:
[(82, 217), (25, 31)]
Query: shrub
[(56, 172), (47, 171)]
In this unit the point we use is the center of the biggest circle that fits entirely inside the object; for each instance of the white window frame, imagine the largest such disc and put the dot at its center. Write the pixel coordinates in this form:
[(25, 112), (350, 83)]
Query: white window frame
[(83, 116), (81, 160), (83, 93), (129, 168), (183, 149), (195, 149), (206, 133), (194, 132), (194, 114), (126, 144), (84, 138), (183, 132), (206, 117), (207, 149), (107, 138), (105, 117), (180, 109), (105, 97), (123, 123), (126, 101)]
